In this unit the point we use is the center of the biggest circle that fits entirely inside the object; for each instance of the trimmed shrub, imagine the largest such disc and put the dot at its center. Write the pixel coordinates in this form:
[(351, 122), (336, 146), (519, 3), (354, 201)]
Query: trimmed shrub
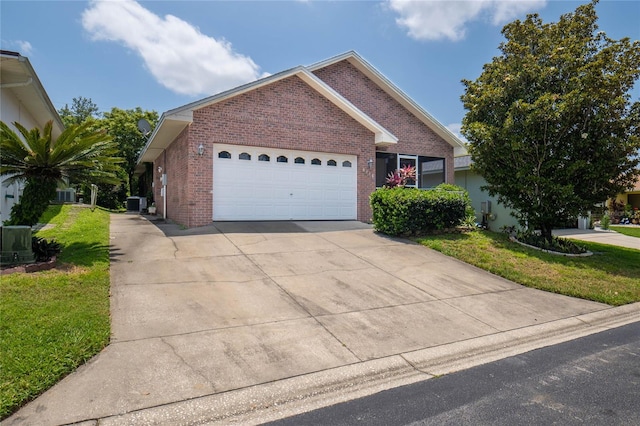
[(411, 211)]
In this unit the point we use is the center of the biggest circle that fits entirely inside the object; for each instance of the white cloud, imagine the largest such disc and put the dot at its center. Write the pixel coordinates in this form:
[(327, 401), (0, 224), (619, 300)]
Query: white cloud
[(442, 19), (22, 47), (25, 47), (176, 53)]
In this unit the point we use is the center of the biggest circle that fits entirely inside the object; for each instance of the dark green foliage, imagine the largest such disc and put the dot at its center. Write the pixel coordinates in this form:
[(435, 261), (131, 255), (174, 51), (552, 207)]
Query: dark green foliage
[(80, 154), (82, 109), (34, 201), (111, 197), (122, 126), (44, 250), (557, 244), (410, 211), (550, 123)]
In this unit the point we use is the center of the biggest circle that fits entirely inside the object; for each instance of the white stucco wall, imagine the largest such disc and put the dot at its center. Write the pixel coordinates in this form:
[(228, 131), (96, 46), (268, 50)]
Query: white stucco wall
[(472, 182)]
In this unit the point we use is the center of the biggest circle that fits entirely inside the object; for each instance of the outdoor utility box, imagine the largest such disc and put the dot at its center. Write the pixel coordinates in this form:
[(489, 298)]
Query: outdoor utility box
[(66, 195), (136, 204), (133, 204), (16, 245)]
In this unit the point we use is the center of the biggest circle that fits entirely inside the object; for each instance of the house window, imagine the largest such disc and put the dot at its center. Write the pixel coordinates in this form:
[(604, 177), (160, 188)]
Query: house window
[(332, 163), (299, 160), (245, 156), (224, 154), (409, 161), (264, 157), (430, 171), (346, 164), (282, 159), (316, 162)]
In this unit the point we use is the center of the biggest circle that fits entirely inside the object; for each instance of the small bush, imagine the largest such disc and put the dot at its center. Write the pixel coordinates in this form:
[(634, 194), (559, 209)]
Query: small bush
[(44, 250), (605, 221), (410, 211)]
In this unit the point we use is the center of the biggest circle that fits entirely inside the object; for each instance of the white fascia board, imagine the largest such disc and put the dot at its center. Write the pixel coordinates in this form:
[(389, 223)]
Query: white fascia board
[(382, 135), (170, 125), (33, 94)]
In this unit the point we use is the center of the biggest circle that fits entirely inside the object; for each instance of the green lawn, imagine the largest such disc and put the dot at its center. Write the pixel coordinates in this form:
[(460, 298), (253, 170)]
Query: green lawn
[(611, 275), (53, 321), (627, 230)]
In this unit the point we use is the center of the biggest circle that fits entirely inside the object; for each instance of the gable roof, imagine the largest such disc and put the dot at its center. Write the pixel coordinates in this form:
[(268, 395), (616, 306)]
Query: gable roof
[(18, 76), (392, 90), (174, 121)]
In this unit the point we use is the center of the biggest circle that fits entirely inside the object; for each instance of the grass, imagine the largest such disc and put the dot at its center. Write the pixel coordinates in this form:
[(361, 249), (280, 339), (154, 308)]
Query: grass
[(53, 321), (611, 275), (627, 230)]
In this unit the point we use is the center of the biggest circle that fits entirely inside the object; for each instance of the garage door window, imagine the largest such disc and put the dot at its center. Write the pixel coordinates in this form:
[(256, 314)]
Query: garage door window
[(264, 157), (346, 164), (316, 162), (224, 154), (299, 160), (282, 159), (332, 163), (245, 156)]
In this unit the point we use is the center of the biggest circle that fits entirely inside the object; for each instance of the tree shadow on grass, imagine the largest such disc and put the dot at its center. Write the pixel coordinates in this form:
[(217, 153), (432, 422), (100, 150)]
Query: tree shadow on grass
[(84, 254)]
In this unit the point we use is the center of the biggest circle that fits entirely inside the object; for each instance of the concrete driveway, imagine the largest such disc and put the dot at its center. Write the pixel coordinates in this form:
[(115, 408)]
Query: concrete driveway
[(245, 322), (600, 236)]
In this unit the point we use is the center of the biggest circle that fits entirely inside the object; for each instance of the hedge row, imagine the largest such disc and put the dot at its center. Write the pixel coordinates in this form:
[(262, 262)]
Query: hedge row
[(410, 211)]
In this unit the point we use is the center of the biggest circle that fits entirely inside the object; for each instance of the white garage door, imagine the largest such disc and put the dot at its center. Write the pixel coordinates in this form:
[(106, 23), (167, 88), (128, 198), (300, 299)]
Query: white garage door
[(253, 183)]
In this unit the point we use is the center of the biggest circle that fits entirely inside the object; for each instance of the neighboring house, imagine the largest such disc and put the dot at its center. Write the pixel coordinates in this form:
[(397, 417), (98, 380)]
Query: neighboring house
[(623, 201), (23, 100), (631, 197), (307, 143), (498, 215)]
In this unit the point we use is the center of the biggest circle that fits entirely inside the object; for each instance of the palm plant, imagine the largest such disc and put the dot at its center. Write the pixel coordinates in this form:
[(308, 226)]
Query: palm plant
[(80, 155)]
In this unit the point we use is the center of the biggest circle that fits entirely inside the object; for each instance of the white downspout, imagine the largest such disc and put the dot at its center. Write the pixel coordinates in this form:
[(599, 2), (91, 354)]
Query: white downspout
[(164, 197)]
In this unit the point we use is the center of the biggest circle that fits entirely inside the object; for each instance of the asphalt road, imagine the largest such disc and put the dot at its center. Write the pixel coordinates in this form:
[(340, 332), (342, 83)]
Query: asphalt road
[(594, 380)]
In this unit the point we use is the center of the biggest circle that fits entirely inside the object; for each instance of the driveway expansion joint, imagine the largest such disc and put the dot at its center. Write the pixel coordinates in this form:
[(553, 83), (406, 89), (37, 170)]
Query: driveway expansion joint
[(291, 364)]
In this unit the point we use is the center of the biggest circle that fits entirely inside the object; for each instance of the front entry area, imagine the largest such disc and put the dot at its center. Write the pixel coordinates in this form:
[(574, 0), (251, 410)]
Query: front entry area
[(255, 183)]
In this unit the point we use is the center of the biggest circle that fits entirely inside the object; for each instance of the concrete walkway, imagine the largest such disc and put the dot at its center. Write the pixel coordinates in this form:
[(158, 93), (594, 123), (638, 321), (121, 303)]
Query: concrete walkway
[(600, 236), (249, 322)]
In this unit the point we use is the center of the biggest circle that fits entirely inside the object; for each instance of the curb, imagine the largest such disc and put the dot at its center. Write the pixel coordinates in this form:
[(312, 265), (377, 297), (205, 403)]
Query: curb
[(288, 397)]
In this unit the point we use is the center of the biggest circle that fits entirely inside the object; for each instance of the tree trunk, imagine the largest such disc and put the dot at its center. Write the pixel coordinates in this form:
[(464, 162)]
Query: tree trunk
[(546, 231)]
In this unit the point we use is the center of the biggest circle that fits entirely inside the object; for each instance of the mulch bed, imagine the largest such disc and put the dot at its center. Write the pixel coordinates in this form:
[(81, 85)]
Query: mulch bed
[(30, 267)]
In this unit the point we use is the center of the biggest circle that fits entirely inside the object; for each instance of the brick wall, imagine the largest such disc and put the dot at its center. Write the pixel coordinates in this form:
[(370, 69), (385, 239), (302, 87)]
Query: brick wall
[(287, 114), (414, 137)]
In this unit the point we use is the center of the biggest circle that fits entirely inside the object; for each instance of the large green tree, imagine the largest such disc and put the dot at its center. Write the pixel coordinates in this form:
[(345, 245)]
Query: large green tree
[(79, 155), (550, 122), (122, 126), (81, 110)]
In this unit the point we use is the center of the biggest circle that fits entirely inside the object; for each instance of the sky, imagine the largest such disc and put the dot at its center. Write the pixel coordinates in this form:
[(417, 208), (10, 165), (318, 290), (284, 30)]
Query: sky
[(160, 55)]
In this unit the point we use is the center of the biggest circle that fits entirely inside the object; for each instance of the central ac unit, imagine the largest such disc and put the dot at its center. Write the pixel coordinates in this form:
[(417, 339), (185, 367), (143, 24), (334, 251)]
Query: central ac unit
[(16, 245)]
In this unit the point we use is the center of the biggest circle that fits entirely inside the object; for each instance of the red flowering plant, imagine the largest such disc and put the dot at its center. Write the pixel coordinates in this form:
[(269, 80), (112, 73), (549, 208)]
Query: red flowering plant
[(401, 176)]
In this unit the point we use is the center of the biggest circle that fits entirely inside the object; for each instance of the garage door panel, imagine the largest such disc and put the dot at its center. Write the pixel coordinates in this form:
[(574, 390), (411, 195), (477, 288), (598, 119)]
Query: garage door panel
[(261, 190)]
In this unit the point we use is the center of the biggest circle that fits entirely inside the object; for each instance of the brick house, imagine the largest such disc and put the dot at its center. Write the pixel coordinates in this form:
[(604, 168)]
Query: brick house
[(309, 143)]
